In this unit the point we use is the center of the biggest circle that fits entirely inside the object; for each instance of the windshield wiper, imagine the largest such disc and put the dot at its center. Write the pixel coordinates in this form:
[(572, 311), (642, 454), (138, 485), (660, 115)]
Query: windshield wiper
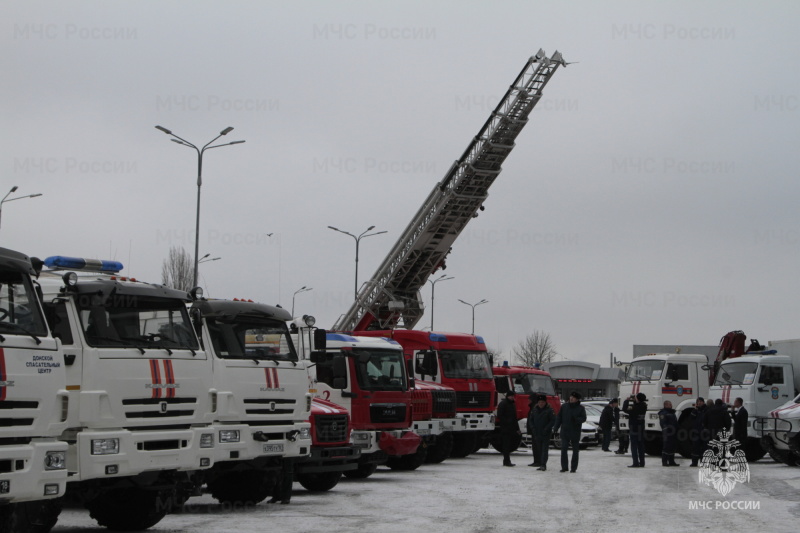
[(22, 329), (123, 342)]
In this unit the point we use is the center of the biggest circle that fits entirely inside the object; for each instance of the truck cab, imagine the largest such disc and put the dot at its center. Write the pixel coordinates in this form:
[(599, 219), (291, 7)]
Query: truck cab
[(260, 394), (780, 432), (139, 404), (33, 402), (680, 378), (367, 377)]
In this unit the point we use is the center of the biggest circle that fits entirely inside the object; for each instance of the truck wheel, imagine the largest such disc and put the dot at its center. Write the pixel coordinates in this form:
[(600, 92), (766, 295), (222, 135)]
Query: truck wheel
[(362, 472), (753, 450), (652, 443), (441, 450), (463, 443), (130, 509), (321, 482), (242, 488), (408, 462), (35, 517)]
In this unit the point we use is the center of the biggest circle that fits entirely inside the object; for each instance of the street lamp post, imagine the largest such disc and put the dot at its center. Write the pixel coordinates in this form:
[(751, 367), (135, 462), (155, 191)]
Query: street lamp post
[(206, 259), (13, 190), (443, 277), (298, 291), (473, 306), (200, 151), (358, 240)]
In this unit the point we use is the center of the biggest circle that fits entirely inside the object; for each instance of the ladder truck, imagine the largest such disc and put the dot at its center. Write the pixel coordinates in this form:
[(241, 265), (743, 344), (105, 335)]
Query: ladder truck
[(391, 299), (33, 403), (140, 404)]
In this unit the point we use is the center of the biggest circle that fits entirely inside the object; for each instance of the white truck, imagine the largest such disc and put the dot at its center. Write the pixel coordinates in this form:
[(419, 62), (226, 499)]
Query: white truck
[(140, 404), (33, 404), (680, 378), (260, 397), (774, 383)]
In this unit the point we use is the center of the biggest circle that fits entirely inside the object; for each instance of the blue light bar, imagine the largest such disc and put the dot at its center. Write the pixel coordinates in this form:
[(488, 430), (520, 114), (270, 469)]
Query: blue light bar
[(437, 337), (480, 339), (78, 263), (340, 337)]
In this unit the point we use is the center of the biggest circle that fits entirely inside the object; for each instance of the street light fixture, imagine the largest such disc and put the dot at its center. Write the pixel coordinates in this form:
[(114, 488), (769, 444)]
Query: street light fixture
[(473, 306), (200, 151), (298, 291), (358, 240), (13, 190), (206, 259), (443, 277)]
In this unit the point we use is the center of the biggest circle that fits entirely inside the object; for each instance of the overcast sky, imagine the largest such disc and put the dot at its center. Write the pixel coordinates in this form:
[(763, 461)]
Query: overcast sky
[(651, 199)]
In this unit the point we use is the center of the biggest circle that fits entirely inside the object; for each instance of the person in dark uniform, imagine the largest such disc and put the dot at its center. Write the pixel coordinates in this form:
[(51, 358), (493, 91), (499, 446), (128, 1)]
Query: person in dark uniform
[(509, 428), (610, 412), (540, 427), (740, 421), (717, 419), (636, 421), (669, 434), (699, 433), (569, 420)]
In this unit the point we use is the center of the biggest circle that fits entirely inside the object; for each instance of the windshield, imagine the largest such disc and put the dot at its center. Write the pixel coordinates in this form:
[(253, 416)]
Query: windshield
[(592, 410), (380, 369), (533, 384), (466, 365), (736, 374), (251, 339), (139, 322), (19, 311), (645, 371)]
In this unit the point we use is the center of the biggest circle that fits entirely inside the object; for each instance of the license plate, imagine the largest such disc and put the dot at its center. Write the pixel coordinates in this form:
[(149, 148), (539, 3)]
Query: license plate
[(5, 486), (273, 448), (423, 432)]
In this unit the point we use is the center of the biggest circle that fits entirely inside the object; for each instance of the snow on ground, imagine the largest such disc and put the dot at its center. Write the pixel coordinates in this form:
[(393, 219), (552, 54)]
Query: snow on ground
[(477, 494)]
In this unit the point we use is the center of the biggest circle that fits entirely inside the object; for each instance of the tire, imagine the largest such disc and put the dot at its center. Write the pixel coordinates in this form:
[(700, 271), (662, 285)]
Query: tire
[(441, 450), (463, 444), (321, 482), (130, 509), (753, 450), (362, 472), (242, 488), (36, 517), (555, 441), (653, 444), (408, 462)]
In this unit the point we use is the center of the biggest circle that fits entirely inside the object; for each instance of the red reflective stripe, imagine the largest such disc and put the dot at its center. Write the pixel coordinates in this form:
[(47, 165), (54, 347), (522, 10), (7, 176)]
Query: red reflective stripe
[(155, 376), (2, 374), (275, 378), (269, 378), (169, 376)]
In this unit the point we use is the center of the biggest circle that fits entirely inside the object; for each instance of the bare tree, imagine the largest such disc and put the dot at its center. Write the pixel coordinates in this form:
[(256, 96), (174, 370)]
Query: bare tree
[(177, 271), (495, 355), (536, 348)]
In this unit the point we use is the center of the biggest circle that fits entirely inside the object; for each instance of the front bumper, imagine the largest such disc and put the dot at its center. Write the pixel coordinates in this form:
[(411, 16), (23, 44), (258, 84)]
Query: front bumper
[(272, 441), (329, 459), (23, 476), (476, 421)]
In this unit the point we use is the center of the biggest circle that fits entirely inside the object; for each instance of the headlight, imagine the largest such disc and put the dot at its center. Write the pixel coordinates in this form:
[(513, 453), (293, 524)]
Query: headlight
[(653, 416), (360, 436), (55, 461), (105, 446), (207, 440), (226, 435), (305, 433), (308, 403)]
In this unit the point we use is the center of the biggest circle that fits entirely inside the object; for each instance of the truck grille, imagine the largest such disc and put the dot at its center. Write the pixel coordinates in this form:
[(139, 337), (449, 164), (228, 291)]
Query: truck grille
[(331, 428), (444, 403), (421, 405), (267, 406), (387, 412), (158, 407), (473, 400)]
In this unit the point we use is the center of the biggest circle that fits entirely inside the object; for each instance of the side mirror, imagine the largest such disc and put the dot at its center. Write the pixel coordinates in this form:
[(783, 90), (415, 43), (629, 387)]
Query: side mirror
[(320, 339), (317, 357), (340, 368), (501, 384), (430, 363), (339, 383), (411, 383)]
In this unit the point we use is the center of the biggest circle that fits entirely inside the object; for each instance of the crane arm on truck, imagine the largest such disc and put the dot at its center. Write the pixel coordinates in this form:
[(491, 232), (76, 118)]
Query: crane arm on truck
[(731, 346), (392, 294)]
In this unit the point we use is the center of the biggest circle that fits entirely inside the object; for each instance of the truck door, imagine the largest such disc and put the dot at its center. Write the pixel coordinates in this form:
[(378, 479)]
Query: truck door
[(774, 387), (679, 383)]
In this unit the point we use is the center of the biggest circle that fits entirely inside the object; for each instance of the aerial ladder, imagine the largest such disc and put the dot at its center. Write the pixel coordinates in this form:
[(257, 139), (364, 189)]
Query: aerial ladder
[(391, 298)]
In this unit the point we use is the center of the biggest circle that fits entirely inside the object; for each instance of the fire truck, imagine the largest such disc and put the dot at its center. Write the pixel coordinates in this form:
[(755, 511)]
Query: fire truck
[(459, 362), (33, 403), (525, 381), (390, 301), (368, 377), (140, 405), (332, 453), (260, 397)]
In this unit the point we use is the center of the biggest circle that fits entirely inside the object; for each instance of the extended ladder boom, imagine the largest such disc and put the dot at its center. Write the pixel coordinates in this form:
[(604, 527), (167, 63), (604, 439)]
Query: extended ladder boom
[(391, 296)]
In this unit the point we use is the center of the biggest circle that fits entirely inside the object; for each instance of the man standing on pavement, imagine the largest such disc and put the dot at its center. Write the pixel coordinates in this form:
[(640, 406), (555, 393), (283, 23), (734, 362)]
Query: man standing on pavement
[(718, 418), (699, 434), (669, 434), (740, 422), (607, 422), (540, 427), (569, 420), (636, 420), (623, 436), (509, 428)]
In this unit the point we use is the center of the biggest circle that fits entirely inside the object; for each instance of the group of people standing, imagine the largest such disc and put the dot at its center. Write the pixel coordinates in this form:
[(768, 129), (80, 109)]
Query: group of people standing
[(706, 422)]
